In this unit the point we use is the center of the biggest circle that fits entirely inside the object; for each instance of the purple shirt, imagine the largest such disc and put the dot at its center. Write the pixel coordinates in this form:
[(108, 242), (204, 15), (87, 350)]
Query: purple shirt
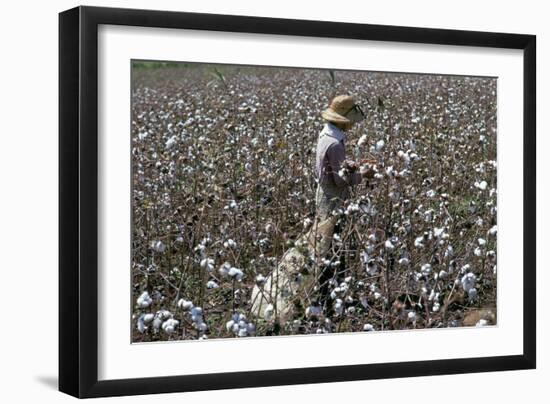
[(331, 153)]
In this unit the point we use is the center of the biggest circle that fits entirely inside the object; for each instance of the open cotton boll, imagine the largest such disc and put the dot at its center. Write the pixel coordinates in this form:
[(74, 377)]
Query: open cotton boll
[(169, 326), (468, 281), (268, 312), (379, 145), (144, 300), (230, 243), (212, 285), (339, 307), (207, 263), (158, 246), (232, 326), (368, 327), (472, 294), (235, 273), (185, 304), (170, 143), (419, 242), (141, 324), (492, 231), (411, 316), (362, 140), (260, 279), (481, 185), (403, 261), (196, 314), (426, 269), (224, 269)]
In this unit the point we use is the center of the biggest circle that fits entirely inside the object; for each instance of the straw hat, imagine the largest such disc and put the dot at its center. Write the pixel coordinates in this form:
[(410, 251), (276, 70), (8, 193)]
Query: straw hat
[(339, 107)]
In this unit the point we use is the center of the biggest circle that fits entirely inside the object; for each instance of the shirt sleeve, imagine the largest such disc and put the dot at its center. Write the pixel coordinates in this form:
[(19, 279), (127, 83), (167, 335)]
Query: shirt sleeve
[(336, 156)]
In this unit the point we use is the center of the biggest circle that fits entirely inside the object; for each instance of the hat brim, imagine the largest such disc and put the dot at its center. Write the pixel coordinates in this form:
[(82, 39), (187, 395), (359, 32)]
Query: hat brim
[(332, 116)]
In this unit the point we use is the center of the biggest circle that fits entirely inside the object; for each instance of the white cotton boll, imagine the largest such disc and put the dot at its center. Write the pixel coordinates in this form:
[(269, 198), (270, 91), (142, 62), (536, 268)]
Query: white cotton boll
[(442, 274), (368, 327), (207, 263), (157, 322), (268, 312), (436, 307), (472, 294), (185, 304), (389, 246), (492, 231), (229, 325), (404, 261), (411, 316), (144, 300), (170, 143), (362, 140), (468, 281), (478, 252), (158, 246), (196, 312), (426, 269), (212, 285), (339, 307), (147, 318), (235, 273), (481, 185), (481, 242), (169, 326), (379, 145), (432, 295), (482, 322), (419, 242), (141, 324), (260, 279), (248, 166), (438, 231), (465, 269), (230, 244), (431, 193), (224, 269), (164, 314), (377, 295), (270, 142)]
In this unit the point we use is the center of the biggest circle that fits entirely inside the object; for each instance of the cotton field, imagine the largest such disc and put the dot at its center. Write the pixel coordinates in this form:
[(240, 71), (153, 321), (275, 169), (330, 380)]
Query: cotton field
[(223, 185)]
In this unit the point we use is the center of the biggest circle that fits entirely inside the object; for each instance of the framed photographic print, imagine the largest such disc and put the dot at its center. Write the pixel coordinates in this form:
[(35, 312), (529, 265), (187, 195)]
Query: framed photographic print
[(251, 201)]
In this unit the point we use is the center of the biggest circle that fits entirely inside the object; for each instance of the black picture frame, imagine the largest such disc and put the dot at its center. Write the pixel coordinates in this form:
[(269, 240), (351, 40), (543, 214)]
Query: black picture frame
[(78, 200)]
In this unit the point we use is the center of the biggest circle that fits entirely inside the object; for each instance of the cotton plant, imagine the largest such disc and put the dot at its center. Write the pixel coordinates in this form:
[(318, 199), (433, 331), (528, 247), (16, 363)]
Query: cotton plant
[(239, 326)]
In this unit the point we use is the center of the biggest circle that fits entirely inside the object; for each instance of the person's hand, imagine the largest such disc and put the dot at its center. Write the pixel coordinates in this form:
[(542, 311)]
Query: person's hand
[(368, 170), (350, 165)]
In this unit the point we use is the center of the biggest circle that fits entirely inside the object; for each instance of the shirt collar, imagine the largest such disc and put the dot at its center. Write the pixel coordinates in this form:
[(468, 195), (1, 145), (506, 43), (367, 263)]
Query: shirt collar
[(334, 131)]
